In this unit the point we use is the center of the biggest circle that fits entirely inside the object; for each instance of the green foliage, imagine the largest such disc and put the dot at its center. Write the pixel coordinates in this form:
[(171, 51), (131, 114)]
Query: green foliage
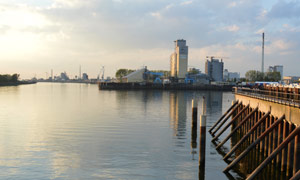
[(166, 73), (193, 71), (253, 75), (123, 72), (272, 76), (9, 78)]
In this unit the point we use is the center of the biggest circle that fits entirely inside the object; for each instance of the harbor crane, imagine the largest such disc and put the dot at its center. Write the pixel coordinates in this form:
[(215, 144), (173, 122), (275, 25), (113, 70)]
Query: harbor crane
[(102, 70)]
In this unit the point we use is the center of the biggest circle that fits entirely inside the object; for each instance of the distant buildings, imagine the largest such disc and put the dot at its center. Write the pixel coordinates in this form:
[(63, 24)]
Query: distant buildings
[(276, 68), (231, 76), (85, 76), (179, 60), (291, 79), (64, 76), (136, 76), (214, 69)]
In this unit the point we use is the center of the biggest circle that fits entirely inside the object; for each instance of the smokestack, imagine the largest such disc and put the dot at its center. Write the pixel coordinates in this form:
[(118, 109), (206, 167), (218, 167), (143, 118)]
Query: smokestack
[(263, 52)]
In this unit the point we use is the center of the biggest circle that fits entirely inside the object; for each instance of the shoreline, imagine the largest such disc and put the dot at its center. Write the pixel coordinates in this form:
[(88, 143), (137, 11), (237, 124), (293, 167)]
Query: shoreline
[(153, 86), (16, 83)]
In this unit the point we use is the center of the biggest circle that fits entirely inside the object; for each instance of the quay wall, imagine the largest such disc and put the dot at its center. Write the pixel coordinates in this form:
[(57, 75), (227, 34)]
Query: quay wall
[(152, 86), (292, 114)]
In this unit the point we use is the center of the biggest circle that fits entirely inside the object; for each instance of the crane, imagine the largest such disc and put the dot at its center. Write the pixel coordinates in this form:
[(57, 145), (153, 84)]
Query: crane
[(102, 72)]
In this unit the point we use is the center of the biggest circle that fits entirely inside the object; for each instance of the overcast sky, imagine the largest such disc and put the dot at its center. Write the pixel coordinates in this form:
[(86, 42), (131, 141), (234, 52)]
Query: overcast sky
[(39, 35)]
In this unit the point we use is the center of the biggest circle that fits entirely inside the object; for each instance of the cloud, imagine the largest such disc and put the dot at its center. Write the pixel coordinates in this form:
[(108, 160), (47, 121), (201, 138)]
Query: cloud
[(131, 33), (186, 2), (232, 28), (284, 9)]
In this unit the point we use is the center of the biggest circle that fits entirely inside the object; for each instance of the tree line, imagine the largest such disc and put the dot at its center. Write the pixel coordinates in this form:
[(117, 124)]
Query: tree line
[(253, 75), (5, 78), (124, 72)]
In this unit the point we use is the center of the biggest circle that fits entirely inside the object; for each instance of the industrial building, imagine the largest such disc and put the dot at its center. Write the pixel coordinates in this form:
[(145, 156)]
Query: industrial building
[(136, 76), (179, 60), (143, 75), (291, 79), (214, 69), (85, 76), (231, 76), (276, 68)]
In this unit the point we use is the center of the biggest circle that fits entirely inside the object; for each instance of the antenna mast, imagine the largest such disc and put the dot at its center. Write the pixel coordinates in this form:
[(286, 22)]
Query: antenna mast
[(263, 52)]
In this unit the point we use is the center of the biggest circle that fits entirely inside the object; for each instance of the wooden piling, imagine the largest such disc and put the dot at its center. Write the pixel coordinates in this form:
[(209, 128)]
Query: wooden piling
[(234, 105), (238, 126), (284, 151), (202, 143), (274, 153), (223, 122), (296, 155), (296, 176), (194, 111), (249, 148), (246, 136)]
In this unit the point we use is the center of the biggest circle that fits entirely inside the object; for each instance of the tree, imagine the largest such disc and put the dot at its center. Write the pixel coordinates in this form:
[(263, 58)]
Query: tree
[(9, 78), (253, 75), (193, 71), (272, 76), (15, 77), (123, 72)]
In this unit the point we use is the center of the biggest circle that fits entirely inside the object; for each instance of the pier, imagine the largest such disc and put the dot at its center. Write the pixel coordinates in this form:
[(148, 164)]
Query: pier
[(264, 133)]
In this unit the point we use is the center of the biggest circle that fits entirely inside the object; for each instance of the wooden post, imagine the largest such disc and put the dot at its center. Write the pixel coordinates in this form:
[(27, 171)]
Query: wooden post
[(245, 137), (249, 148), (235, 105), (223, 122), (237, 127), (202, 143), (194, 111), (284, 151), (289, 169), (274, 153), (296, 155)]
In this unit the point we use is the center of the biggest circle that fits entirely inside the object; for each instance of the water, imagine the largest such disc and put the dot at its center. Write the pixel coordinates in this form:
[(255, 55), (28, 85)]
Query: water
[(75, 131)]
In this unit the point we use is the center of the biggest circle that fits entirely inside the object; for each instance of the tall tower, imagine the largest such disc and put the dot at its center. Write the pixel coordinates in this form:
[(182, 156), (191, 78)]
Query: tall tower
[(51, 74), (263, 52), (79, 77), (179, 59)]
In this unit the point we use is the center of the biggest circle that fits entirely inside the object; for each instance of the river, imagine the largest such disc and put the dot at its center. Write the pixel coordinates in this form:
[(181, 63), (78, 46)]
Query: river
[(74, 131)]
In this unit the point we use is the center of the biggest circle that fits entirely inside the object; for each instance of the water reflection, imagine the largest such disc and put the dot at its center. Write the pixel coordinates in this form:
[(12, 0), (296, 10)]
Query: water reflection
[(73, 131), (214, 102), (178, 113), (194, 139)]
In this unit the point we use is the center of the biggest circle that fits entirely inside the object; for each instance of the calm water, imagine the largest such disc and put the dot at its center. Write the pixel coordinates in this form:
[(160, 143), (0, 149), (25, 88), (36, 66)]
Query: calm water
[(75, 131)]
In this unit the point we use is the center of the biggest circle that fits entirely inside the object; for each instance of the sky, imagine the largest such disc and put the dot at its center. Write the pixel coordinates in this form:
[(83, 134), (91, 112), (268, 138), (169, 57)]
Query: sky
[(39, 35)]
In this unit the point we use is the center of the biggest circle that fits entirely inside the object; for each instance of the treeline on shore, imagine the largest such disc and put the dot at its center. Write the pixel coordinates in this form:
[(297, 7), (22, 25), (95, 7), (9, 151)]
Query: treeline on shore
[(7, 78)]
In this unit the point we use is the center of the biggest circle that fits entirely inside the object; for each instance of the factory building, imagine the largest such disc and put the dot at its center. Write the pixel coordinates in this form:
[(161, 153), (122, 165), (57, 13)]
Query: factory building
[(276, 68), (179, 60), (136, 76), (231, 76), (214, 69), (85, 76)]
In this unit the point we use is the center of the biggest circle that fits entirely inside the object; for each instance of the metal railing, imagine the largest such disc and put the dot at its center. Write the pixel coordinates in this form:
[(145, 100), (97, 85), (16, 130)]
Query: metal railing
[(290, 99)]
